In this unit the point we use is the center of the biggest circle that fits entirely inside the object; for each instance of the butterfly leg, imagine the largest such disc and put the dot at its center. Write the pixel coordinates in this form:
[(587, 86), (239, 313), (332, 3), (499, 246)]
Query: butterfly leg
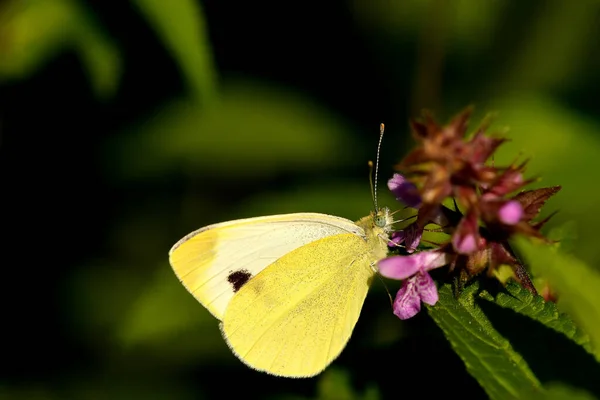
[(373, 265), (389, 241)]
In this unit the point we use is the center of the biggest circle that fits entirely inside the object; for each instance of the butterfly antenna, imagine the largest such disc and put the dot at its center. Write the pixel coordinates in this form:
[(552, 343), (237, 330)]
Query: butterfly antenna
[(371, 183), (374, 185)]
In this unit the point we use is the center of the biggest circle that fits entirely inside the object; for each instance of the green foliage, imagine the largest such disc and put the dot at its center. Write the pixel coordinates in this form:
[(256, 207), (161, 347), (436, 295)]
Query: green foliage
[(162, 309), (538, 132), (337, 385), (536, 68), (488, 356), (524, 302), (180, 24), (251, 130), (577, 285), (508, 354), (562, 392), (33, 32)]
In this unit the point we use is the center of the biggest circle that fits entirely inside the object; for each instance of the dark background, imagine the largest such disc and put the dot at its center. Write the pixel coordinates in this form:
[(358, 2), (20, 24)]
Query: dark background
[(124, 126)]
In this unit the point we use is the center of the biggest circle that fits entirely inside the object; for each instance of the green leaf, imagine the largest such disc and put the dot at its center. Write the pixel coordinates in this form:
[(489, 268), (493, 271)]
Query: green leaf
[(534, 326), (180, 24), (562, 392), (524, 302), (467, 24), (561, 144), (165, 312), (145, 314), (576, 284), (59, 24), (534, 66), (252, 130), (488, 356), (100, 57)]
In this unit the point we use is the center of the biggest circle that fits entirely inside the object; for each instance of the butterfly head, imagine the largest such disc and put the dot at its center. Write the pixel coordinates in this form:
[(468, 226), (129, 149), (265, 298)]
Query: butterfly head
[(377, 228), (383, 219)]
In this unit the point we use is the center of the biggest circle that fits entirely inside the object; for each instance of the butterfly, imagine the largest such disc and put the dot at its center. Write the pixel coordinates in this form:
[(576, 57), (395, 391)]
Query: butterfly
[(287, 289)]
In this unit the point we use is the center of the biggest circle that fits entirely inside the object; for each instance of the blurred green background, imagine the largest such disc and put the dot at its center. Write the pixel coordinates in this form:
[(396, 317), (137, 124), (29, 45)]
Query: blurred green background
[(126, 125)]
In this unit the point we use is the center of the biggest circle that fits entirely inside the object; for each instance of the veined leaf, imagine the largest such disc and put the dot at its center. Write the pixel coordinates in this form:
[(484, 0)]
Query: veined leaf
[(576, 284), (488, 356), (556, 350), (524, 302)]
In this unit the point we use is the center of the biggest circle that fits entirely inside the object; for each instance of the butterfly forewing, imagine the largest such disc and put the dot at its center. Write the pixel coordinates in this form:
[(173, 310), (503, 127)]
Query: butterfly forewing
[(214, 262)]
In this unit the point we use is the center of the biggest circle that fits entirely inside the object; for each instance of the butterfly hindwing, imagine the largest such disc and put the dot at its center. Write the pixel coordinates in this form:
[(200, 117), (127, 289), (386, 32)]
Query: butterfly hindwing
[(295, 317)]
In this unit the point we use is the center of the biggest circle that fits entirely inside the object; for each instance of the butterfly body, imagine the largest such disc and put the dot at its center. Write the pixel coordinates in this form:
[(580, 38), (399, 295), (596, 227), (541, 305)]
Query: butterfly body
[(288, 289)]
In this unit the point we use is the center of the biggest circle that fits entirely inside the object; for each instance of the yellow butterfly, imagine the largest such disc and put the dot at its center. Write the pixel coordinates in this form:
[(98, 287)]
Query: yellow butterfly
[(288, 289)]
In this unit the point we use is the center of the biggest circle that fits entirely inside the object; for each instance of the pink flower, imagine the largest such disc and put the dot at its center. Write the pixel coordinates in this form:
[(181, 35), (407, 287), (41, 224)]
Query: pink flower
[(511, 212), (405, 191), (418, 285), (466, 237), (450, 165), (417, 288), (410, 236)]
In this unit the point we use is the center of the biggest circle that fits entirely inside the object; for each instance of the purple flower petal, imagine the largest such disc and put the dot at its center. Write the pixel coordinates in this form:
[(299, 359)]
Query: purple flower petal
[(396, 239), (401, 267), (434, 259), (404, 191), (465, 244), (511, 212), (413, 234), (410, 236), (407, 303), (466, 237), (426, 288)]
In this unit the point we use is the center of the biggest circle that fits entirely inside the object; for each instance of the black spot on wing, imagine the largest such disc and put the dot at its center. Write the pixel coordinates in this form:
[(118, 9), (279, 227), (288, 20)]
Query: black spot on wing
[(239, 279)]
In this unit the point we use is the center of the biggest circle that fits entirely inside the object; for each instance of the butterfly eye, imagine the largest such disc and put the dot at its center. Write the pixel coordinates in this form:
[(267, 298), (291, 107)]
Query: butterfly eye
[(380, 221)]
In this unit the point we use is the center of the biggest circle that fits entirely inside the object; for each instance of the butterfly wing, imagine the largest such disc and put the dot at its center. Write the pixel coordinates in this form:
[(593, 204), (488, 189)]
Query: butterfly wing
[(215, 261), (295, 317)]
